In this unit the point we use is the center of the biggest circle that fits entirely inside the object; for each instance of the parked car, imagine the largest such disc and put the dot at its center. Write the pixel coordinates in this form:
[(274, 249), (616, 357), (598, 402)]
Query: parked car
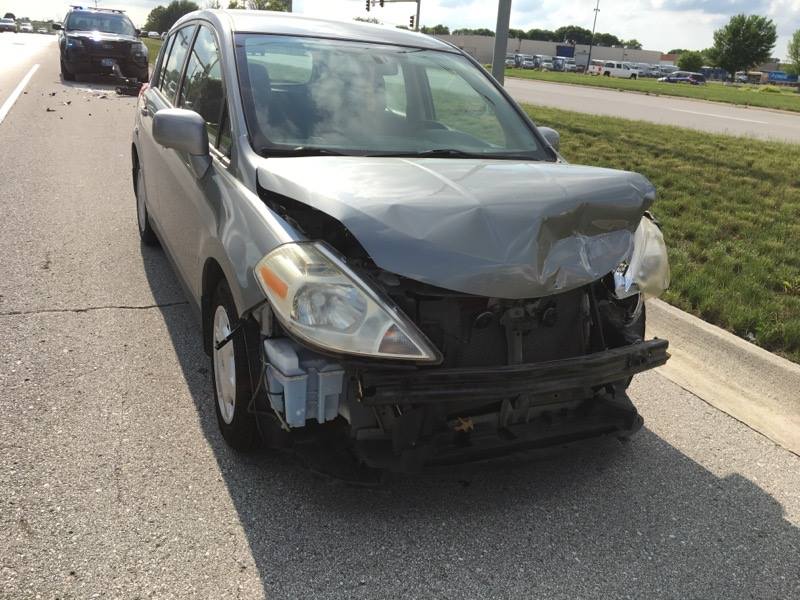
[(8, 25), (42, 30), (510, 62), (596, 67), (154, 35), (26, 28), (94, 40), (618, 69), (546, 65), (654, 71), (527, 63), (570, 66), (445, 286), (684, 77)]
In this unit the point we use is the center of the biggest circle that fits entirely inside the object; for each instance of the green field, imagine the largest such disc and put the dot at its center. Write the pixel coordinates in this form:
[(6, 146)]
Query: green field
[(783, 98), (153, 46), (730, 209)]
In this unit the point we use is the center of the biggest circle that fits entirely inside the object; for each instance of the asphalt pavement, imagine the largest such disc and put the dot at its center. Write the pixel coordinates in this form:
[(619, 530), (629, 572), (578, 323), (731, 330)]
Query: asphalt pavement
[(713, 117), (114, 482)]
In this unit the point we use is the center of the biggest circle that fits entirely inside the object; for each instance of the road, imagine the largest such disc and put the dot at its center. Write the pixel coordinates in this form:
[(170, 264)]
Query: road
[(713, 117), (18, 54), (114, 482)]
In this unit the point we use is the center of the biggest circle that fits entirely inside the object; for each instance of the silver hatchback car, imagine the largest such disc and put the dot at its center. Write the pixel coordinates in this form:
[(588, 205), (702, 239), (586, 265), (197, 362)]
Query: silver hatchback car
[(383, 248)]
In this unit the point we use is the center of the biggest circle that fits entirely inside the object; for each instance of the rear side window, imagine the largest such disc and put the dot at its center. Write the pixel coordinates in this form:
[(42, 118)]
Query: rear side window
[(202, 89), (177, 56)]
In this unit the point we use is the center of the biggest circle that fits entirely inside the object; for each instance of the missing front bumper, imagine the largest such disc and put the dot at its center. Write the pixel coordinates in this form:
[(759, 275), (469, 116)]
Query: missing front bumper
[(582, 373), (453, 415)]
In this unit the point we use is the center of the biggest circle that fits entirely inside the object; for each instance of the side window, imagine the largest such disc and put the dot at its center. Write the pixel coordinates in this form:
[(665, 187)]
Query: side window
[(202, 89), (162, 64), (177, 55), (458, 106), (224, 139)]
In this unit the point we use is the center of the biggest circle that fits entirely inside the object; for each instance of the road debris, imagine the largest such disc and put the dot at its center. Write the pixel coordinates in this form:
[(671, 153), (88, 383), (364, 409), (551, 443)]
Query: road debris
[(48, 109)]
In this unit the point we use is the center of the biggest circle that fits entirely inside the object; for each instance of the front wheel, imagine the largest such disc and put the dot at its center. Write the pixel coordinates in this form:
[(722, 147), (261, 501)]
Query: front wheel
[(230, 373), (146, 233), (65, 74), (633, 76)]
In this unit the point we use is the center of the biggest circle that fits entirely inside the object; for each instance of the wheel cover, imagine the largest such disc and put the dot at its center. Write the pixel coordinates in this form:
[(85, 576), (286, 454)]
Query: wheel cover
[(141, 195), (224, 366)]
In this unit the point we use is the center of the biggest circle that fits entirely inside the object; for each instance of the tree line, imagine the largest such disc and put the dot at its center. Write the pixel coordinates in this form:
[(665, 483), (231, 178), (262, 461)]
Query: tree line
[(161, 18), (568, 33)]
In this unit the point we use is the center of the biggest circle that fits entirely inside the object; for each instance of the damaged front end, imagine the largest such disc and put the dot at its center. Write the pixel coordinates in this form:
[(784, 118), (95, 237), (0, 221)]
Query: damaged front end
[(416, 374)]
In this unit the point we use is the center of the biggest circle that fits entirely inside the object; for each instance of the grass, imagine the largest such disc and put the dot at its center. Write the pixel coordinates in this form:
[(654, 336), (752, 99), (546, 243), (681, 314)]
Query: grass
[(153, 46), (784, 98), (730, 209)]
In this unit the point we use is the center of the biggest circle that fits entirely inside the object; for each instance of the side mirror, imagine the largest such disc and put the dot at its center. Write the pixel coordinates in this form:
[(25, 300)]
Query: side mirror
[(552, 136), (184, 131), (57, 26), (138, 32)]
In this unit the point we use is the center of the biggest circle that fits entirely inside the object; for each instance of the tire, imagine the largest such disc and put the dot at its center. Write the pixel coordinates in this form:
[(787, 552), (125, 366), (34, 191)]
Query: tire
[(607, 74), (65, 74), (230, 374), (146, 233), (633, 77)]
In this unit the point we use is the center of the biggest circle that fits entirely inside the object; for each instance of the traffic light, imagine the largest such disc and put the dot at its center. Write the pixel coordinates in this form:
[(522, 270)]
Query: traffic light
[(368, 3), (411, 21)]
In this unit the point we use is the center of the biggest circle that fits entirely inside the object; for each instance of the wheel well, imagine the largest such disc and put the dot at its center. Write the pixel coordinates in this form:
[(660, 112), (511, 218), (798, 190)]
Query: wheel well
[(212, 275)]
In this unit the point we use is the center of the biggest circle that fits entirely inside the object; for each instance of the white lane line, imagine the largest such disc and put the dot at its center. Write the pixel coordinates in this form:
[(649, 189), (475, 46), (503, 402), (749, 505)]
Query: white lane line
[(694, 112), (16, 93)]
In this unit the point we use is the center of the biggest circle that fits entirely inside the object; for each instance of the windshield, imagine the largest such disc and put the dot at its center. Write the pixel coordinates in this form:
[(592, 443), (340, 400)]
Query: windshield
[(330, 96), (96, 21)]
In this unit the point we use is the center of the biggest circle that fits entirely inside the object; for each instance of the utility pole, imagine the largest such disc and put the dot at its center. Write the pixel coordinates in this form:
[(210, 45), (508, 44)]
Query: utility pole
[(501, 39), (289, 5), (591, 42)]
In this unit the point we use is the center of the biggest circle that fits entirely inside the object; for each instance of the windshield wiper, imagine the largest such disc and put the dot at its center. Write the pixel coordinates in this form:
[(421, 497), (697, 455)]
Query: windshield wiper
[(299, 151), (455, 153), (448, 152)]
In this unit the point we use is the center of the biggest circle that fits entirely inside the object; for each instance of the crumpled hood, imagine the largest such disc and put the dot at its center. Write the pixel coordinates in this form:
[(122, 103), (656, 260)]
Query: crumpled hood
[(497, 228)]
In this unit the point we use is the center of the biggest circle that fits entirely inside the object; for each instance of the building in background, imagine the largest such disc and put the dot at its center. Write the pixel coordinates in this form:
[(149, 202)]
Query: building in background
[(482, 48)]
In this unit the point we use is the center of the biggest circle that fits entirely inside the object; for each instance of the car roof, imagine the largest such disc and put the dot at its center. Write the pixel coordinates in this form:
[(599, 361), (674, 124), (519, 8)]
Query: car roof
[(282, 23)]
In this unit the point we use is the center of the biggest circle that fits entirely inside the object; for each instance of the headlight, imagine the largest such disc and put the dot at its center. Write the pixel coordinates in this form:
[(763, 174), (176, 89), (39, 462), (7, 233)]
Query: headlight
[(74, 43), (647, 270), (321, 301), (139, 50)]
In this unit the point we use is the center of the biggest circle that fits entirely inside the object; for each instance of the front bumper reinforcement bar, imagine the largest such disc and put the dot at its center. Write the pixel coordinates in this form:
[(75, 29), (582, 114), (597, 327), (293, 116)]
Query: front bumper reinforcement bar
[(578, 373)]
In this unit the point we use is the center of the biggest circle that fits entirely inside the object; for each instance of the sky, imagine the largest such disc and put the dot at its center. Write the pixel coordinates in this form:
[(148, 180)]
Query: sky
[(658, 24)]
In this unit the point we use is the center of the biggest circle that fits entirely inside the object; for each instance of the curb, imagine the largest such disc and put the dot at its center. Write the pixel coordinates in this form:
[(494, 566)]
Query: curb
[(752, 385)]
